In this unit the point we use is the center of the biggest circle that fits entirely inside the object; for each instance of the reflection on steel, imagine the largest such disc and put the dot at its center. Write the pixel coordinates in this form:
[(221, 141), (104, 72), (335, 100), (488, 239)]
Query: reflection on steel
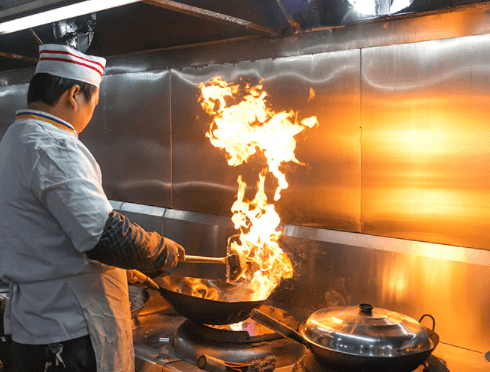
[(140, 208), (76, 33), (332, 274), (17, 77), (367, 7), (129, 135), (210, 15), (12, 98), (421, 249), (335, 268), (379, 7), (423, 144), (424, 163), (425, 150), (16, 56), (117, 205), (325, 192), (398, 5), (146, 53), (291, 21)]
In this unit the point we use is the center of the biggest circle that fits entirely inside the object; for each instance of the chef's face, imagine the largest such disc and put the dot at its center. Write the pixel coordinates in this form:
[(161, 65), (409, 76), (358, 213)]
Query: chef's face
[(85, 109)]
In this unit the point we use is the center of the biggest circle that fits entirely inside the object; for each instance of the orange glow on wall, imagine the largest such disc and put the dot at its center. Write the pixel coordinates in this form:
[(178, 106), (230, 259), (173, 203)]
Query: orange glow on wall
[(424, 168)]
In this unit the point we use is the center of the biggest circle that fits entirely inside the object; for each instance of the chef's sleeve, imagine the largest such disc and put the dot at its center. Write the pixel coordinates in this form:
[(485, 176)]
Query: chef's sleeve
[(125, 244)]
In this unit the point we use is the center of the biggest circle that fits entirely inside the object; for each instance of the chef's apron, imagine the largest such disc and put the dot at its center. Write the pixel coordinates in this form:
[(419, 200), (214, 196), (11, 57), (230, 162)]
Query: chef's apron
[(105, 302), (104, 299)]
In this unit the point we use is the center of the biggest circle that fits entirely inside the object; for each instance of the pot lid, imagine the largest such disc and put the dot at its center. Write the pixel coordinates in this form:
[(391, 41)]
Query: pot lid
[(367, 331)]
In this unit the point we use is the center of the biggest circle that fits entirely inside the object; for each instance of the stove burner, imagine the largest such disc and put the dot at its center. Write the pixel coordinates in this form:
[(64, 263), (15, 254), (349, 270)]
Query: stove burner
[(252, 328), (308, 363), (247, 331), (249, 342)]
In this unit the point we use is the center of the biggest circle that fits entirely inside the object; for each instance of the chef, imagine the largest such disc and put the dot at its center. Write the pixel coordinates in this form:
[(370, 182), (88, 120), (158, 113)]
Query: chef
[(63, 249)]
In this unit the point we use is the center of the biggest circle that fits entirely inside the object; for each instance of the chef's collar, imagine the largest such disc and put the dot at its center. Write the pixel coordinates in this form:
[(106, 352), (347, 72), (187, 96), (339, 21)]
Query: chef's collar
[(48, 118)]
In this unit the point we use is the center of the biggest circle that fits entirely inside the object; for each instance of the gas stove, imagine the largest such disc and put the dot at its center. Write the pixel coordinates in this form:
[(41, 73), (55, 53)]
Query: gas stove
[(181, 342), (165, 341), (251, 342)]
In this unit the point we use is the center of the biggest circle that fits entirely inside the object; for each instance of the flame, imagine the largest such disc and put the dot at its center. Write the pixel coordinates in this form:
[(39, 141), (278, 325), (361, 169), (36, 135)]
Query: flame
[(198, 287), (244, 129), (251, 327), (236, 326), (312, 95)]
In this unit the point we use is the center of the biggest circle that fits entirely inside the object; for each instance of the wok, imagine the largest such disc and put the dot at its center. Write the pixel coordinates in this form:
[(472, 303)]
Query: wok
[(351, 361), (229, 304)]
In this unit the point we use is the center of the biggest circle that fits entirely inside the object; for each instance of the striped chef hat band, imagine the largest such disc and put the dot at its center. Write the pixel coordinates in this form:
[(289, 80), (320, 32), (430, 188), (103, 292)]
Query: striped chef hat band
[(62, 61)]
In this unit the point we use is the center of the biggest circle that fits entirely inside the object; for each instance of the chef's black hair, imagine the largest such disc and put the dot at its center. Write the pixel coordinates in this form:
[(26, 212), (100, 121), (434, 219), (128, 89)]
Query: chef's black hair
[(49, 89)]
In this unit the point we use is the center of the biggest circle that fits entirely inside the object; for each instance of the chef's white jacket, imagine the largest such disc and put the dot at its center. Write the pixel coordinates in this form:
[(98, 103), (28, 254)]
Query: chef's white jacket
[(53, 209)]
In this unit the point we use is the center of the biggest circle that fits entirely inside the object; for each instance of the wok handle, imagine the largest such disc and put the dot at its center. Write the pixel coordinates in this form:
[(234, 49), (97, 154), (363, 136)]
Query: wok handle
[(208, 363), (144, 279), (202, 259), (277, 326)]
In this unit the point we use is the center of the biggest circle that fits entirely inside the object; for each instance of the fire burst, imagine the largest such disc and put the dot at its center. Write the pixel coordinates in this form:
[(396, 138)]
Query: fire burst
[(243, 129)]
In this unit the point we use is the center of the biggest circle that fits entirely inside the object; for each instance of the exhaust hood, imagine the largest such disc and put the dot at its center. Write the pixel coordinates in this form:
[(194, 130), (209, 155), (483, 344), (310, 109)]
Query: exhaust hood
[(112, 28)]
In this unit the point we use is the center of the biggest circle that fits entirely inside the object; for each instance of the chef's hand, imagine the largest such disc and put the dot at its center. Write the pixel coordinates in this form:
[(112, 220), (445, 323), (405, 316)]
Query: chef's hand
[(175, 253), (131, 277)]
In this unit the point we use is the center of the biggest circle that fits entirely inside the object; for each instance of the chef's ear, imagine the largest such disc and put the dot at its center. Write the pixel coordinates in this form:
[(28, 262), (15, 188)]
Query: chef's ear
[(73, 94)]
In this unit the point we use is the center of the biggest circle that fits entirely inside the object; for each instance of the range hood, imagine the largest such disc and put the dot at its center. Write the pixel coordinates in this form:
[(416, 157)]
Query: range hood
[(125, 27)]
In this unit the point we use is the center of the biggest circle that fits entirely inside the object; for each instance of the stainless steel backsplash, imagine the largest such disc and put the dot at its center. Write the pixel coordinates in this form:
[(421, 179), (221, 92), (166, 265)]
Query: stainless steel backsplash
[(393, 204), (335, 268)]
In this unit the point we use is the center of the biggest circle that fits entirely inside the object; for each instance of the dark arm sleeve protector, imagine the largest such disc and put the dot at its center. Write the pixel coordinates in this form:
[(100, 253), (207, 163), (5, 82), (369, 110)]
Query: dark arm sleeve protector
[(128, 246)]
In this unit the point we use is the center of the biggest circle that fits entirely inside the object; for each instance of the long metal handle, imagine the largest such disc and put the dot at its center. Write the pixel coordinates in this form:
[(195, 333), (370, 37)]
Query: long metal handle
[(277, 326), (202, 259), (145, 279), (211, 364)]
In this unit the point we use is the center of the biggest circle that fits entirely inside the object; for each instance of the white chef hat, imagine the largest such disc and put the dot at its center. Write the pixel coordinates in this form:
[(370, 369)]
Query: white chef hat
[(62, 61)]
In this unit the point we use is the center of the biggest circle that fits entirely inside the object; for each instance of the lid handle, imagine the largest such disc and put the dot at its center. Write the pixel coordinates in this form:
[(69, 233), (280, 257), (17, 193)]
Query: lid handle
[(366, 309)]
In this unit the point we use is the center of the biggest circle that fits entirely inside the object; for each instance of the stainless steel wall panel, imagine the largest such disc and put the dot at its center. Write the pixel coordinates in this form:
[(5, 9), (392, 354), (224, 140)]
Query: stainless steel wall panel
[(200, 234), (12, 98), (337, 268), (325, 192), (334, 274), (201, 239), (129, 135), (202, 180), (426, 130), (16, 77)]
